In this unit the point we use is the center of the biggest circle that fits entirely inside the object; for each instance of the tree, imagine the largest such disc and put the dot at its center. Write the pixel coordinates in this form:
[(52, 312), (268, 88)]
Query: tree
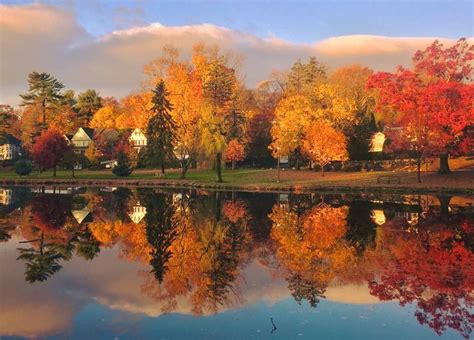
[(303, 78), (218, 87), (93, 154), (346, 102), (88, 103), (123, 168), (105, 117), (44, 92), (292, 115), (161, 129), (324, 144), (433, 99), (23, 167), (235, 152), (49, 149)]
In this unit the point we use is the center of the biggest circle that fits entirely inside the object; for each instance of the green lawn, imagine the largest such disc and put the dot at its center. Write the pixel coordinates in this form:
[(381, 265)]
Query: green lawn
[(258, 179)]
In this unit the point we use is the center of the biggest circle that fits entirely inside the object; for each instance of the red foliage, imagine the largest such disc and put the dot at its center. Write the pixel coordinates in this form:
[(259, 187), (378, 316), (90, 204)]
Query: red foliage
[(433, 101), (432, 268), (49, 149), (235, 210)]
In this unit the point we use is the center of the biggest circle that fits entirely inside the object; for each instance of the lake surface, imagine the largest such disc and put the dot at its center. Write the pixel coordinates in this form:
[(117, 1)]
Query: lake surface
[(117, 263)]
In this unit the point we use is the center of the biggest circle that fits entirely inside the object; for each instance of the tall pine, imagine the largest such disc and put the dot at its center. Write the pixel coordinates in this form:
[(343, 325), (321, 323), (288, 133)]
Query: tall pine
[(161, 129), (44, 92)]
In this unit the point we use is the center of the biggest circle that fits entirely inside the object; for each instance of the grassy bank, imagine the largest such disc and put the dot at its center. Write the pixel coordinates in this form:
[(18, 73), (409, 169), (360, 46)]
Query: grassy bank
[(258, 180)]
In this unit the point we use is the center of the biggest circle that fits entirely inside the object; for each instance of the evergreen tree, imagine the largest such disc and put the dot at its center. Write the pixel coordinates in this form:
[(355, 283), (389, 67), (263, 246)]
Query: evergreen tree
[(161, 129), (88, 102), (123, 168), (44, 92)]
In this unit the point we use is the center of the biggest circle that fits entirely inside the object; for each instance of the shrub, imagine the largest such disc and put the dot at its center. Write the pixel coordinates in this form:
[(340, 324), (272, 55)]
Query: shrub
[(23, 167), (123, 167)]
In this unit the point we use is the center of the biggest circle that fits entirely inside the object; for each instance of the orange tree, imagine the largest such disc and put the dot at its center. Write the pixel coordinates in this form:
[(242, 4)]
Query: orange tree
[(49, 149)]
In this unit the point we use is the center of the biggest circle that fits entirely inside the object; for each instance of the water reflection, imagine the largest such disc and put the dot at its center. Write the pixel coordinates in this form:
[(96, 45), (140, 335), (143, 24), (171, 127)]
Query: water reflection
[(194, 249)]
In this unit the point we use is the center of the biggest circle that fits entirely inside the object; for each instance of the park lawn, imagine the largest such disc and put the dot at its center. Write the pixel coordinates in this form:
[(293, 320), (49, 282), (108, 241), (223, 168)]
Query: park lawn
[(265, 179)]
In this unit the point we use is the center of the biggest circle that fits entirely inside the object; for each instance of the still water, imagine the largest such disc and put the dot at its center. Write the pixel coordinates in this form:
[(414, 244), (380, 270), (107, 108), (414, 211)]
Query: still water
[(117, 263)]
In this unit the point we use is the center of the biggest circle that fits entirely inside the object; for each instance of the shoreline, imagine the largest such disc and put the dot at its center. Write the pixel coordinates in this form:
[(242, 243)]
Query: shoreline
[(274, 188)]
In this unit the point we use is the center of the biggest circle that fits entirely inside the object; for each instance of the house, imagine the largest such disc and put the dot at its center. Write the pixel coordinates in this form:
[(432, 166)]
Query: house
[(138, 139), (85, 136), (10, 147), (377, 142), (82, 215), (138, 213), (5, 196)]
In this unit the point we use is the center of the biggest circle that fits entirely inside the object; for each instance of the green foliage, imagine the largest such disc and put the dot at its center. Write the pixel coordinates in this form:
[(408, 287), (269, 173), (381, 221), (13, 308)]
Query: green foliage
[(161, 129), (303, 78), (44, 92), (88, 102), (23, 167), (123, 168)]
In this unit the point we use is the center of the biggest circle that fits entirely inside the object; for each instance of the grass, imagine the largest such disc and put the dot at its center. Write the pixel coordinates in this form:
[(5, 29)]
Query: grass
[(264, 179)]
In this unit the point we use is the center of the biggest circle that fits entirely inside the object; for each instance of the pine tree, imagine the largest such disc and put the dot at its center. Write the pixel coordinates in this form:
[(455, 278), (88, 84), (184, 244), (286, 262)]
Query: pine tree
[(88, 102), (161, 129), (123, 168), (44, 92)]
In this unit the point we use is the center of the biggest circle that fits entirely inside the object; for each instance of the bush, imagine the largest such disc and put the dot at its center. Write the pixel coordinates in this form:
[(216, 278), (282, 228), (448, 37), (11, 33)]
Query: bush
[(23, 167), (123, 168)]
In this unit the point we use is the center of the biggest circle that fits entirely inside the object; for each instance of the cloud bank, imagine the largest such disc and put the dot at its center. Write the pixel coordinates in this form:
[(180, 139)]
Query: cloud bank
[(49, 39)]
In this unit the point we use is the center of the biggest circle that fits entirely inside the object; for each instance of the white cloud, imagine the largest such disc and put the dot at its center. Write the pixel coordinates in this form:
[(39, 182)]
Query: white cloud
[(45, 38)]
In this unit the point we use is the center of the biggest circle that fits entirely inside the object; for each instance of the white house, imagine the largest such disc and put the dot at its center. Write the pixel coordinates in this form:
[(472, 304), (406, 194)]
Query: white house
[(85, 136), (10, 147), (5, 196), (138, 213), (377, 142), (138, 139)]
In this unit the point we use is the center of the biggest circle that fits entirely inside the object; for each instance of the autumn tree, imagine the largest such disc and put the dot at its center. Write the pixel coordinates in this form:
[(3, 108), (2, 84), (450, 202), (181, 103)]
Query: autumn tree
[(161, 129), (345, 101), (107, 115), (433, 99), (49, 150), (44, 93), (88, 103), (292, 115), (184, 84), (218, 83), (304, 77), (235, 152), (324, 144)]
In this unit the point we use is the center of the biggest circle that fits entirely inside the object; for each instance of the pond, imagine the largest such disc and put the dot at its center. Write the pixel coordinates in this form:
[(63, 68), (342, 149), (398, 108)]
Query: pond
[(118, 263)]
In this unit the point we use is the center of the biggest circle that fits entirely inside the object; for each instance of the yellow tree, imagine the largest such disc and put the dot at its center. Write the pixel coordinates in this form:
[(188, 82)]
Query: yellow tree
[(292, 115), (323, 144), (219, 84), (235, 152), (136, 111), (107, 115)]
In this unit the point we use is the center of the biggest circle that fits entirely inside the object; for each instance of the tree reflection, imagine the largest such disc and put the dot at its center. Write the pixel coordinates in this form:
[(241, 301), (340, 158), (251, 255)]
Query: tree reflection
[(430, 265), (160, 230), (43, 262), (311, 248)]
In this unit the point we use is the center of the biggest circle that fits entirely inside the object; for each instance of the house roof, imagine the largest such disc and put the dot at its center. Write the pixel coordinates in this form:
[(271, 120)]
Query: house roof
[(93, 133), (9, 139)]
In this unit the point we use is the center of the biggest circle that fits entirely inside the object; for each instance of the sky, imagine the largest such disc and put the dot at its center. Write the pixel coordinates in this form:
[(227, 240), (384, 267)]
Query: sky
[(104, 44)]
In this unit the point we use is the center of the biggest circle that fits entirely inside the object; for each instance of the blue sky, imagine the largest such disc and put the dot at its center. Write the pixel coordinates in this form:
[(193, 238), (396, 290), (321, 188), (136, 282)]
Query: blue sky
[(295, 21)]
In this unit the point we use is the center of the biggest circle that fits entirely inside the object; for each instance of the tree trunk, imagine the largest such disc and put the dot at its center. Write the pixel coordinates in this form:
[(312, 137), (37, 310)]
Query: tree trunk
[(218, 167), (184, 168), (298, 166), (233, 164), (322, 170), (73, 173), (444, 206), (54, 171), (443, 164), (418, 164)]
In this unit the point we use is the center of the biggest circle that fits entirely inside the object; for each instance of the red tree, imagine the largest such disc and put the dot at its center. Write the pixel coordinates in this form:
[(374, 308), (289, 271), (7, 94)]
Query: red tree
[(433, 99), (49, 149)]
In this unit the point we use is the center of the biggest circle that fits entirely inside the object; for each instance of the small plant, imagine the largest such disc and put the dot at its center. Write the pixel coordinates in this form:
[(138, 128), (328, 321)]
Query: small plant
[(23, 167), (123, 168)]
